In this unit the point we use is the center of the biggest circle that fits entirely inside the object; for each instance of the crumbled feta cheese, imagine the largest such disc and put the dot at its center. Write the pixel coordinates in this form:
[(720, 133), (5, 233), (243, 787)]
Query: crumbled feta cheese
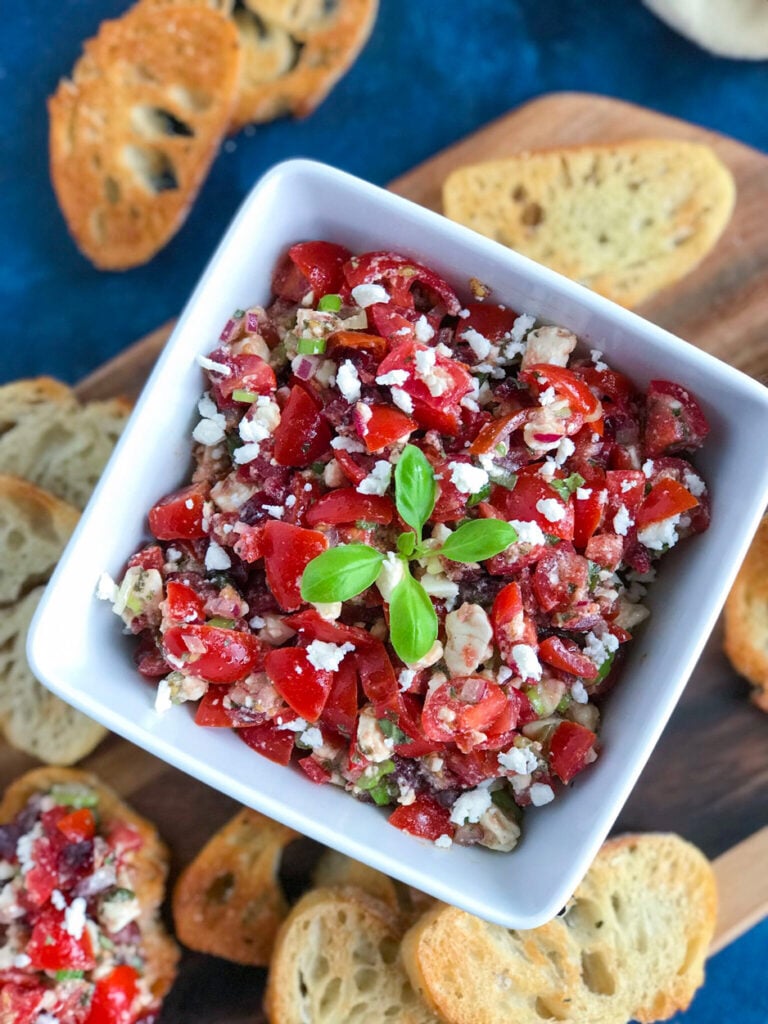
[(441, 587), (295, 725), (547, 397), (378, 480), (648, 468), (599, 648), (216, 557), (368, 294), (402, 400), (256, 622), (371, 741), (425, 361), (527, 662), (582, 493), (20, 962), (348, 381), (551, 509), (74, 918), (214, 367), (24, 848), (564, 451), (660, 535), (504, 674), (328, 610), (579, 693), (528, 532), (57, 900), (471, 806), (424, 330), (549, 345), (393, 377), (207, 407), (693, 483), (466, 478), (327, 656), (541, 794), (444, 842), (208, 432), (622, 521), (521, 326), (106, 588), (333, 475), (246, 453), (276, 511), (311, 737), (405, 679), (163, 700), (392, 572), (597, 359), (479, 345), (468, 633), (520, 760), (433, 655)]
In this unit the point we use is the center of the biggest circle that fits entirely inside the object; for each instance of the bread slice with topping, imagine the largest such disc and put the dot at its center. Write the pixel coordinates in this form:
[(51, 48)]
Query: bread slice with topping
[(52, 440), (746, 618), (336, 959), (294, 53), (134, 131), (228, 902), (631, 945), (34, 527), (626, 219)]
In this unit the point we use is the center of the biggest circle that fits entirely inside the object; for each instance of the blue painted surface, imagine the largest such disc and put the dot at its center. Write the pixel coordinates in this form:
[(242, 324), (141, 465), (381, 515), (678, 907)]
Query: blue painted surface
[(432, 72)]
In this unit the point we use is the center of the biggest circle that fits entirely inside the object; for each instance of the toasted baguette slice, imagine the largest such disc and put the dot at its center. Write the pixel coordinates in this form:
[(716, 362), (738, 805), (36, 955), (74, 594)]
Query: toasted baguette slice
[(746, 618), (630, 946), (626, 219), (148, 864), (336, 869), (50, 439), (134, 131), (336, 959), (34, 527), (295, 53), (228, 901)]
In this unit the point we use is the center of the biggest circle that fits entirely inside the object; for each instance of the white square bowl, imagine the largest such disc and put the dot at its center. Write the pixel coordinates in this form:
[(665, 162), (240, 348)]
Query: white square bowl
[(75, 643)]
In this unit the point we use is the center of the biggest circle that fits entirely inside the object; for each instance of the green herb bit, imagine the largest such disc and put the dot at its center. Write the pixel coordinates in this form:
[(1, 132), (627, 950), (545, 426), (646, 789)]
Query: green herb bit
[(481, 495), (392, 731), (318, 468), (565, 488), (240, 395), (330, 303), (221, 623), (238, 314), (311, 346), (68, 975), (74, 796)]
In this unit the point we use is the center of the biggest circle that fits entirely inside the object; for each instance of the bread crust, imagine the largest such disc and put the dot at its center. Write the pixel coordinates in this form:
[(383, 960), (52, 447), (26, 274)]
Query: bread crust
[(626, 219), (228, 901), (746, 618), (134, 131), (149, 864)]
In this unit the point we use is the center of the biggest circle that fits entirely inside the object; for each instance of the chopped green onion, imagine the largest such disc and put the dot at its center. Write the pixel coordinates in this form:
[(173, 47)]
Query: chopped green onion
[(238, 314), (221, 623), (481, 495), (74, 796), (330, 303), (69, 975), (239, 395), (311, 346)]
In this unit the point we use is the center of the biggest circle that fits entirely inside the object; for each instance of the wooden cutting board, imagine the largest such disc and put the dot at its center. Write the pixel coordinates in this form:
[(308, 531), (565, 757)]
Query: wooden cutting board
[(708, 778)]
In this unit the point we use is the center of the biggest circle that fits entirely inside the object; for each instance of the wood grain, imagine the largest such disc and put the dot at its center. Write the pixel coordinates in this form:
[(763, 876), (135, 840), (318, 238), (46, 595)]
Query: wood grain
[(708, 777)]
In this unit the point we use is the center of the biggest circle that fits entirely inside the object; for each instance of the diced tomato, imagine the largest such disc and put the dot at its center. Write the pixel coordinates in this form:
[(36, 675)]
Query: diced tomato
[(182, 603), (303, 435), (218, 655), (249, 545), (492, 322), (247, 372), (425, 818), (566, 385), (304, 687), (42, 878), (322, 264), (314, 770), (398, 323), (151, 557), (288, 550), (561, 579), (52, 948), (377, 676), (521, 502), (606, 550), (124, 838), (213, 713), (340, 712), (114, 996), (674, 420), (518, 711), (353, 465), (345, 343), (313, 626), (610, 386), (568, 749), (452, 379), (511, 625), (588, 512), (384, 426), (625, 487), (21, 1003), (399, 274), (270, 741), (179, 515), (497, 432), (346, 505), (567, 656), (78, 826), (473, 767), (451, 503), (461, 706), (667, 498)]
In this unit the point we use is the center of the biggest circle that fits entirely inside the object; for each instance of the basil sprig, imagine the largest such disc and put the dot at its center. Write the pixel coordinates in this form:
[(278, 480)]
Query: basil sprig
[(343, 572)]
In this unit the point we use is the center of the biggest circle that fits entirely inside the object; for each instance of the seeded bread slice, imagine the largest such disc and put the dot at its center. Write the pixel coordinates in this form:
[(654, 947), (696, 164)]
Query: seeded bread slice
[(148, 865), (630, 946), (228, 901), (336, 959), (50, 439), (134, 131), (294, 53), (746, 618), (626, 219)]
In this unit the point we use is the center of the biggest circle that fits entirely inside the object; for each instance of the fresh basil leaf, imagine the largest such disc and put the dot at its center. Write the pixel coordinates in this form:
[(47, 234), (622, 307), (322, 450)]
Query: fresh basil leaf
[(415, 488), (406, 544), (478, 539), (565, 488), (412, 620), (341, 573), (482, 495)]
